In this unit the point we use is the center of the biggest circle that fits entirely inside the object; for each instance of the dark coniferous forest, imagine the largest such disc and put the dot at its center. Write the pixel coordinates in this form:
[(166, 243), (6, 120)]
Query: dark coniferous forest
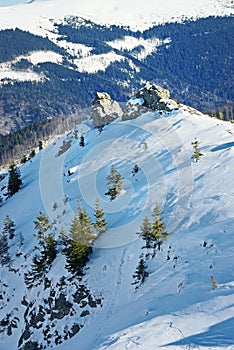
[(196, 66)]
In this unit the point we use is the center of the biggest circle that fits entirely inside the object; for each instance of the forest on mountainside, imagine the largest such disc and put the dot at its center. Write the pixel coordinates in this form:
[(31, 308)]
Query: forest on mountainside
[(196, 66)]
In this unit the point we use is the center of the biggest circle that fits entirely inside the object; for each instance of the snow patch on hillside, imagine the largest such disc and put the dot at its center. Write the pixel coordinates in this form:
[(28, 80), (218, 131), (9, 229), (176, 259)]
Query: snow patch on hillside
[(74, 49), (129, 43), (37, 57), (95, 63), (9, 73)]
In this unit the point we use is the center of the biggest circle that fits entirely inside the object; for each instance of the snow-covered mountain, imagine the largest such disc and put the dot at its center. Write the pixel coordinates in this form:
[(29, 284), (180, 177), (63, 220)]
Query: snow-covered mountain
[(120, 12), (62, 47), (176, 307)]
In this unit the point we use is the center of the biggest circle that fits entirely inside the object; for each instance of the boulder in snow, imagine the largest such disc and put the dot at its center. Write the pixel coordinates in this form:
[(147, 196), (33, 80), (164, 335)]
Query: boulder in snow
[(104, 109), (150, 97), (152, 94)]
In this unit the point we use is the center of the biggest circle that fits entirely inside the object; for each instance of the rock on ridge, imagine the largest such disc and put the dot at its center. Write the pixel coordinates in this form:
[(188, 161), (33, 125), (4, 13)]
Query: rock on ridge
[(104, 109), (150, 97)]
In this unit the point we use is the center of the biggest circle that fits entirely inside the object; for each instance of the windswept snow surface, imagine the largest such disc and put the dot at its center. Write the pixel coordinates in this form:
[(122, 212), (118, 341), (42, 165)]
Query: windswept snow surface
[(36, 16), (176, 307)]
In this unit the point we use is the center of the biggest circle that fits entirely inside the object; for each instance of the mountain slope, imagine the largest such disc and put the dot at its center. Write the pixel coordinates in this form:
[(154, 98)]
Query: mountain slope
[(176, 307), (115, 12), (41, 78)]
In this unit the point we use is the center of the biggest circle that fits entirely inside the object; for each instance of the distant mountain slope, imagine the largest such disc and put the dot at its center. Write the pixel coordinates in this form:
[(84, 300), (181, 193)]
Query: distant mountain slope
[(176, 307), (42, 78), (118, 12)]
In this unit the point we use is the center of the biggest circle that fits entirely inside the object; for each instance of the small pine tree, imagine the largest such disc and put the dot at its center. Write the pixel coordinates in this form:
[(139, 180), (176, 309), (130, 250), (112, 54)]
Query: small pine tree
[(21, 240), (146, 231), (114, 183), (55, 205), (197, 153), (42, 261), (9, 227), (23, 159), (32, 154), (38, 271), (63, 240), (4, 250), (14, 181), (65, 199), (158, 231), (40, 145), (100, 224), (51, 248), (135, 169), (141, 273), (79, 246), (82, 141), (214, 282), (42, 226)]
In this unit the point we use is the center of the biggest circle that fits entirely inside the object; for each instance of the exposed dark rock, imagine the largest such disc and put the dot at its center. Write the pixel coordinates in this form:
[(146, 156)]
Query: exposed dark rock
[(152, 94), (149, 98), (62, 307), (74, 330), (84, 313)]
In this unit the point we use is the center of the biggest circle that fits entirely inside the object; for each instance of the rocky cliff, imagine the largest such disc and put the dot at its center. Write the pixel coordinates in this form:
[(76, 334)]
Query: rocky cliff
[(104, 109)]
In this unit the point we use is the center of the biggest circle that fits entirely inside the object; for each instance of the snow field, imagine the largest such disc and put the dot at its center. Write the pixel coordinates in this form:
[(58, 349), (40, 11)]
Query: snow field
[(176, 307)]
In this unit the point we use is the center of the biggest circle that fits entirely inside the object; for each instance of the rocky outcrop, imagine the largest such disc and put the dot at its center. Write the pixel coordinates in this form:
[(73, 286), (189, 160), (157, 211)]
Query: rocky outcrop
[(104, 109), (134, 108), (151, 97), (152, 94)]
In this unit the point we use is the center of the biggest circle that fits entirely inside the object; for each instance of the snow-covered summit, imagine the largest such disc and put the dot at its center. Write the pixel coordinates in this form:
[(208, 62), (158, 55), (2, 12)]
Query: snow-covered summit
[(176, 307)]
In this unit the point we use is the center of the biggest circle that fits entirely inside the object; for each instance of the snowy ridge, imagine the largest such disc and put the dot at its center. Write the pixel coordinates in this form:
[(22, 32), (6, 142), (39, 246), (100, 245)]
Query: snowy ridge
[(39, 13), (176, 307)]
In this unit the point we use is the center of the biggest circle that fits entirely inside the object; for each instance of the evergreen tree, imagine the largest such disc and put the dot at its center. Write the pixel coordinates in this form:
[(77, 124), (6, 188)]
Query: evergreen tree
[(42, 226), (42, 261), (197, 153), (79, 245), (146, 231), (63, 240), (100, 224), (40, 145), (65, 199), (141, 273), (32, 154), (38, 271), (21, 240), (9, 227), (23, 159), (4, 250), (14, 181), (114, 183), (82, 141), (135, 169), (51, 248), (84, 230), (153, 232), (214, 282), (158, 230), (55, 205)]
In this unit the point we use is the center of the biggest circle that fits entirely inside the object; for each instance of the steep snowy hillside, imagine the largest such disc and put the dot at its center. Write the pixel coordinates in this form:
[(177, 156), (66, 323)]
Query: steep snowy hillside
[(178, 306)]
